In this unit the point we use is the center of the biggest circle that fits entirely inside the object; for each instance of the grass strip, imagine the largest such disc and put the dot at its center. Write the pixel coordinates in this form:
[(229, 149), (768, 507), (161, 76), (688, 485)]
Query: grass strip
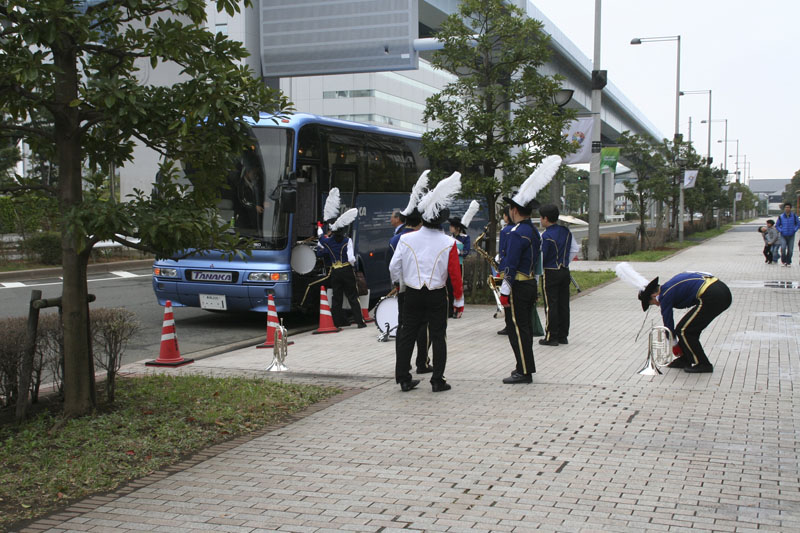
[(156, 421), (672, 247)]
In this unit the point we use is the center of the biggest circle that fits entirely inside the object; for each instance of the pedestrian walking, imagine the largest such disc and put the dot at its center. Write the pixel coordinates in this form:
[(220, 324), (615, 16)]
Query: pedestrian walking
[(787, 225)]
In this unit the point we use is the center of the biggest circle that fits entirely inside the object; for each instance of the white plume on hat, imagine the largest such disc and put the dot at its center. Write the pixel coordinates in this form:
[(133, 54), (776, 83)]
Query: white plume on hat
[(417, 192), (538, 180), (470, 213), (331, 209), (345, 219), (440, 197), (626, 273)]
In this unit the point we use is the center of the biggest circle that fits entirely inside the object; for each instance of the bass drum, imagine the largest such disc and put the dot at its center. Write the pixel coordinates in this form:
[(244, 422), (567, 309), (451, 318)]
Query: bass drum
[(387, 316), (303, 259)]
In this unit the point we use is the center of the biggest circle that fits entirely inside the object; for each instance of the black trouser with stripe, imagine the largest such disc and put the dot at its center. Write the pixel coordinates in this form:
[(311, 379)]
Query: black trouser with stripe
[(422, 338), (343, 280), (555, 286), (421, 307), (716, 299), (519, 324)]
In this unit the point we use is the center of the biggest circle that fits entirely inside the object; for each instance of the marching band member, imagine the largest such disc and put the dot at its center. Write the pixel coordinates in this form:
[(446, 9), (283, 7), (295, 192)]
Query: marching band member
[(556, 243), (421, 265), (339, 249), (707, 296), (501, 249), (458, 230), (518, 291), (459, 227), (413, 221)]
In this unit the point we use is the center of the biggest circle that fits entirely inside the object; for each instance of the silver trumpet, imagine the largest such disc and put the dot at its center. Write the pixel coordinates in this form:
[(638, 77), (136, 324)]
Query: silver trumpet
[(659, 351), (280, 350)]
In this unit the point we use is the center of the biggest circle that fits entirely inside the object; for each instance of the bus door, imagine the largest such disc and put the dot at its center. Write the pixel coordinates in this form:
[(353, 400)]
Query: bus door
[(305, 218)]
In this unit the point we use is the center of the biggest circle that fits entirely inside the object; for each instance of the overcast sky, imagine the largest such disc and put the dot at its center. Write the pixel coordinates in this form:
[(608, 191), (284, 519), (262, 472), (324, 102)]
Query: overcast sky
[(747, 53)]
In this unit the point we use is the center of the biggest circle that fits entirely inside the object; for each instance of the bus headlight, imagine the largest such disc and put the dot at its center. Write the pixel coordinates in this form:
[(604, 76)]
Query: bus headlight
[(162, 272), (268, 276)]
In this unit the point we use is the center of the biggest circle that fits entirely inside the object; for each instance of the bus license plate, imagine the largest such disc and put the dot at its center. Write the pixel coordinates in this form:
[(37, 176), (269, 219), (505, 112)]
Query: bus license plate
[(213, 301)]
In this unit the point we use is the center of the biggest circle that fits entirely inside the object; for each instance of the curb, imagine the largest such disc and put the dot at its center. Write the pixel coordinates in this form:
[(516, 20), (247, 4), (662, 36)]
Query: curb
[(57, 272)]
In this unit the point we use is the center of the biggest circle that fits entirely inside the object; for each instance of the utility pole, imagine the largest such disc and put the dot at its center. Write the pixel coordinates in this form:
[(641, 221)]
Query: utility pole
[(598, 82)]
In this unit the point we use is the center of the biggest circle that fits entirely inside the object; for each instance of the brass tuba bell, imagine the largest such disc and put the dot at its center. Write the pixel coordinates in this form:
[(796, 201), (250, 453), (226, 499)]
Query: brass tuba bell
[(659, 351), (280, 350)]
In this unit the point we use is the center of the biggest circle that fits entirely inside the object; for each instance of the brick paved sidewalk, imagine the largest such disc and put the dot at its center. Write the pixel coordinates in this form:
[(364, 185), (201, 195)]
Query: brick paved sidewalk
[(590, 446)]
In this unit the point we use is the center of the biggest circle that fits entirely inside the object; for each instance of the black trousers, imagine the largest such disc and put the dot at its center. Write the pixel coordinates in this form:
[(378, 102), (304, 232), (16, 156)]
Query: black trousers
[(423, 338), (343, 281), (421, 307), (716, 299), (519, 324), (555, 286)]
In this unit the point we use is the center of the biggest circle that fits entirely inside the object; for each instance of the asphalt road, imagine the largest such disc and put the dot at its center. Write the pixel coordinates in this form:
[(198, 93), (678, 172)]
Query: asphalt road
[(199, 332)]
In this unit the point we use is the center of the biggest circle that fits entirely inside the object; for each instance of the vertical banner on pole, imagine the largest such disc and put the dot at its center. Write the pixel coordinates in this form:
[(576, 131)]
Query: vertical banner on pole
[(689, 179), (580, 135)]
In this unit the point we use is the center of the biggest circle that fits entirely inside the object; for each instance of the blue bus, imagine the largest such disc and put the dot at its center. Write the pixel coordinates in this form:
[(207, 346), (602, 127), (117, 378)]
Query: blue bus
[(275, 195)]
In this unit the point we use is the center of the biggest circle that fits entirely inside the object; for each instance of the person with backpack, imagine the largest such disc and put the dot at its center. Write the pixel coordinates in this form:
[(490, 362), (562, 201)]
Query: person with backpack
[(787, 225)]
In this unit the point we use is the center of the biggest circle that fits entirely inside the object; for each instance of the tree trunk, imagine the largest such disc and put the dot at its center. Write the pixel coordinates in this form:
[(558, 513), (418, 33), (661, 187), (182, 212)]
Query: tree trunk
[(78, 366)]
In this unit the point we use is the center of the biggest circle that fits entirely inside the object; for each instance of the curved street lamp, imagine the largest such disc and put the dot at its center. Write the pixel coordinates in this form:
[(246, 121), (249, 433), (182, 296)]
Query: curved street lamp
[(677, 140)]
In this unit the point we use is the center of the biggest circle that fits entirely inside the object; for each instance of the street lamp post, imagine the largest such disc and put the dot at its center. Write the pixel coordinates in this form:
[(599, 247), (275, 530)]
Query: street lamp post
[(708, 146), (725, 120), (595, 178), (677, 140), (726, 156)]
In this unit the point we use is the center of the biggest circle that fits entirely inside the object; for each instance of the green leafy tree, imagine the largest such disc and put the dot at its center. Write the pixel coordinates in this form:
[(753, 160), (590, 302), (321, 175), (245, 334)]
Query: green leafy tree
[(791, 193), (499, 115), (77, 64), (646, 160)]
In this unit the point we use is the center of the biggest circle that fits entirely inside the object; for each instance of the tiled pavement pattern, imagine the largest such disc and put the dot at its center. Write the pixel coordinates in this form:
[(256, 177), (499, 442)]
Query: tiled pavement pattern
[(590, 446)]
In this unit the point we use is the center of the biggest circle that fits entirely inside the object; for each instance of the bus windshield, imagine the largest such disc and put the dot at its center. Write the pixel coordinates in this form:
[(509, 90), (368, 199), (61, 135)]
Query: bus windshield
[(252, 196)]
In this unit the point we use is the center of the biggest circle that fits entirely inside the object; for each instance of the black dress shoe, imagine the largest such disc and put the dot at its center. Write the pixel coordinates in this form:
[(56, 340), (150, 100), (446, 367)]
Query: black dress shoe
[(424, 370), (406, 386), (679, 362), (362, 325), (503, 332), (563, 340), (516, 377), (545, 342), (700, 369), (440, 386)]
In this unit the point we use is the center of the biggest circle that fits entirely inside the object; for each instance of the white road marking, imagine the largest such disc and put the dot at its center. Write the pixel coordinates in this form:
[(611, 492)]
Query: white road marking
[(17, 285), (123, 274)]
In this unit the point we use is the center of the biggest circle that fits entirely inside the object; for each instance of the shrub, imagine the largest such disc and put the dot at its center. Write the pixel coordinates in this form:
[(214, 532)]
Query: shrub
[(111, 331), (612, 244), (476, 275), (44, 247)]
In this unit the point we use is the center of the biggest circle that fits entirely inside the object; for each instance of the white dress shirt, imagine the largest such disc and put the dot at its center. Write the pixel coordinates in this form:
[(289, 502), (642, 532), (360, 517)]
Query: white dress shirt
[(421, 260)]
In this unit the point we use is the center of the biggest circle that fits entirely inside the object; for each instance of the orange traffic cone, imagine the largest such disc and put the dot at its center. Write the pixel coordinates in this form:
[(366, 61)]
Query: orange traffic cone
[(272, 323), (364, 301), (169, 354), (325, 317)]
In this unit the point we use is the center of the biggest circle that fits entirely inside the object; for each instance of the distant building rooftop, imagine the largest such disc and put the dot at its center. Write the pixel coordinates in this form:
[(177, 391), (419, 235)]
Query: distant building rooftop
[(768, 186)]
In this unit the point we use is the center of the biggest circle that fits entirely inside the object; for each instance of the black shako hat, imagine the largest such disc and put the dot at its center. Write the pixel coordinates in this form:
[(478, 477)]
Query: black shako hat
[(647, 293)]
